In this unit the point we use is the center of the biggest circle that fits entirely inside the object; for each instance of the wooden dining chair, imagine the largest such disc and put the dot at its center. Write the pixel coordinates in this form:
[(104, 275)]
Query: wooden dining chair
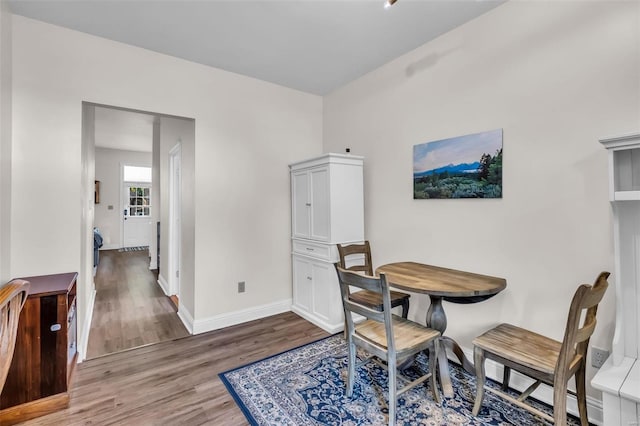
[(12, 298), (365, 297), (543, 359), (384, 336)]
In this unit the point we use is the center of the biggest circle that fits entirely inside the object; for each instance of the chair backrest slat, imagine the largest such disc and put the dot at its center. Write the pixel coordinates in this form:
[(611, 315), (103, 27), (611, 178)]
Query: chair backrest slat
[(577, 335), (356, 249), (365, 311), (12, 298), (376, 284), (585, 331)]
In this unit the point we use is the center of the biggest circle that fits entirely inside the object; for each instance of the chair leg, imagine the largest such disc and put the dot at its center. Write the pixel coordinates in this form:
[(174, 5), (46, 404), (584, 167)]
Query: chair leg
[(506, 376), (351, 369), (478, 359), (405, 308), (582, 395), (560, 402), (433, 364), (391, 362)]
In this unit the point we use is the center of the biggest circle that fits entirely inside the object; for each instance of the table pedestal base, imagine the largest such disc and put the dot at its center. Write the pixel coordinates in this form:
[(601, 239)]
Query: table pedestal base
[(437, 319), (443, 363)]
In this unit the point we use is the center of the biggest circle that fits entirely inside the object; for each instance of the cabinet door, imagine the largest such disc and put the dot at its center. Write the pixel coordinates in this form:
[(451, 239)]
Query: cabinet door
[(323, 292), (301, 204), (320, 204), (302, 283)]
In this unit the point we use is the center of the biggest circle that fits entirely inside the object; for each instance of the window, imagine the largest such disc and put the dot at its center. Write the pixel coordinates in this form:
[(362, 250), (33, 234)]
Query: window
[(137, 189), (139, 201), (136, 174)]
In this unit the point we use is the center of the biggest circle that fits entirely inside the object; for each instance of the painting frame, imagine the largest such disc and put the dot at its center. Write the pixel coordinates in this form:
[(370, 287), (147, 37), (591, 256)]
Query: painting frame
[(461, 167)]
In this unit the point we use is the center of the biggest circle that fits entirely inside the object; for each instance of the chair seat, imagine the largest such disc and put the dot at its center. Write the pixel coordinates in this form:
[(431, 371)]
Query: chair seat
[(373, 300), (523, 347), (408, 334)]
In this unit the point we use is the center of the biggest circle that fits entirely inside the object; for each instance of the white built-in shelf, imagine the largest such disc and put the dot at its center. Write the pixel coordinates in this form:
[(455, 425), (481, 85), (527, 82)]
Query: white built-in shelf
[(610, 378), (619, 377), (624, 167), (630, 389), (626, 195)]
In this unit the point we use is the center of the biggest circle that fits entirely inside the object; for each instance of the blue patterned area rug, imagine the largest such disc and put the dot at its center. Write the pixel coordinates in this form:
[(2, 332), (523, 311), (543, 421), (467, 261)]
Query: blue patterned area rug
[(306, 386), (138, 248)]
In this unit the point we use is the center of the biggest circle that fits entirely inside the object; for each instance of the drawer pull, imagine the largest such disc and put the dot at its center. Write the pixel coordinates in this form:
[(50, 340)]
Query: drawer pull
[(55, 327), (308, 204), (309, 248)]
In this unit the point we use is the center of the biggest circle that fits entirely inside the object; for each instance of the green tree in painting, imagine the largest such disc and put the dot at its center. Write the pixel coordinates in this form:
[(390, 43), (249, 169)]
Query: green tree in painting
[(483, 170), (495, 169)]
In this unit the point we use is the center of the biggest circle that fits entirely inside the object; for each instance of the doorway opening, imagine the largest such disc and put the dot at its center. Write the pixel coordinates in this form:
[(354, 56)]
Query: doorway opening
[(141, 217)]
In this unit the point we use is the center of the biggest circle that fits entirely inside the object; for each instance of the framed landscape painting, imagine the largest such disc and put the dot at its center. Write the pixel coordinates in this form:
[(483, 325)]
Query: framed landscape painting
[(467, 166)]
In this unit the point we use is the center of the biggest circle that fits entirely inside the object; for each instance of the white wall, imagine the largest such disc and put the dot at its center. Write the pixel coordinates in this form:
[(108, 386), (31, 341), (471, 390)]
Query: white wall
[(5, 142), (85, 285), (108, 169), (556, 76), (172, 132), (247, 132)]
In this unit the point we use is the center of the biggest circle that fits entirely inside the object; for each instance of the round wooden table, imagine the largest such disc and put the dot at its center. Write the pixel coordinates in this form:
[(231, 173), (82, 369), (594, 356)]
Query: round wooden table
[(443, 284)]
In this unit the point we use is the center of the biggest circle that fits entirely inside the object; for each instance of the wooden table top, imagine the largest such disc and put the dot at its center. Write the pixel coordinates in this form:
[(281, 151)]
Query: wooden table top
[(437, 281)]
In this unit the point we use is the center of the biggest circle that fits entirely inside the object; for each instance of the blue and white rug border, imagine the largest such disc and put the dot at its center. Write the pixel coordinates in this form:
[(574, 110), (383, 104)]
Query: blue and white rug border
[(237, 398)]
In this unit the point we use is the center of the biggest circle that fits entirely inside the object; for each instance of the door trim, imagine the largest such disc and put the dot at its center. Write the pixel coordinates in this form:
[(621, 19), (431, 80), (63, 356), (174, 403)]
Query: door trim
[(174, 258)]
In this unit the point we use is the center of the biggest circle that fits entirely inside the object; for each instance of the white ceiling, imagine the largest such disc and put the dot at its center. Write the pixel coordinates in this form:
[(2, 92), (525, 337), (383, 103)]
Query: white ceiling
[(126, 130), (315, 46)]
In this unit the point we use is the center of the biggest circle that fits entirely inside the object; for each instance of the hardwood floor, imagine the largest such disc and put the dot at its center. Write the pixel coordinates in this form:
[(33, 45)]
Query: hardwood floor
[(130, 308), (176, 382)]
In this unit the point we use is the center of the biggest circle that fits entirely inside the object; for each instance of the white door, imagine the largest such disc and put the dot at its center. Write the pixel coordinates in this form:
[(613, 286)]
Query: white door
[(136, 229)]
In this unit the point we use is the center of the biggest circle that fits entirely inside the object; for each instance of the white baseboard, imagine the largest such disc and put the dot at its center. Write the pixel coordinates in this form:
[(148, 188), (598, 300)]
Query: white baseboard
[(238, 317), (544, 393), (163, 285), (84, 342), (186, 317), (320, 322)]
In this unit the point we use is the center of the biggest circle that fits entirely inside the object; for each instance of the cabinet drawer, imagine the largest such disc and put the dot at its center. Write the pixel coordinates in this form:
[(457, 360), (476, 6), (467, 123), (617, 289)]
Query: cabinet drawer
[(320, 251)]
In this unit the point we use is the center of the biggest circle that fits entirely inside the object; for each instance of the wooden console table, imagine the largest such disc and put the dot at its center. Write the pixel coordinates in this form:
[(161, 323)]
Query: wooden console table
[(46, 350)]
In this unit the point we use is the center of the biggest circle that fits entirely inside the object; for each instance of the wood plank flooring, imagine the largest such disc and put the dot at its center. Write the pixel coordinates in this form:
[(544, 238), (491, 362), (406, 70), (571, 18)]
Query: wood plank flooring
[(176, 382), (130, 308)]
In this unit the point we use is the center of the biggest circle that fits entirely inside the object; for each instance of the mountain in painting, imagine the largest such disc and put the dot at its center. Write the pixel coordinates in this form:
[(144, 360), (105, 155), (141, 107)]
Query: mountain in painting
[(451, 168)]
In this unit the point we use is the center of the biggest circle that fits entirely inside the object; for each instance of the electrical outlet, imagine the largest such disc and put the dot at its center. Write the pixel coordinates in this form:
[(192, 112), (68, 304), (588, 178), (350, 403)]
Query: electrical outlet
[(240, 286), (598, 356)]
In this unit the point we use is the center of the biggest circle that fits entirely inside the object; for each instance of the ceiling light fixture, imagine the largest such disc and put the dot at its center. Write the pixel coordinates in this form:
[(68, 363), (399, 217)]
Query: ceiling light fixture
[(389, 3)]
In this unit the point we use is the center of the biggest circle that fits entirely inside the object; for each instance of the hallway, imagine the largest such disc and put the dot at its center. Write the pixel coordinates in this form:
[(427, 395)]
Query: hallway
[(130, 308)]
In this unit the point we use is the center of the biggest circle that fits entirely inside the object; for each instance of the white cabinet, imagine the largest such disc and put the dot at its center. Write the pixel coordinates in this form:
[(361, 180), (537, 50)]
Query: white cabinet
[(327, 208), (327, 199), (619, 377), (310, 189), (316, 293)]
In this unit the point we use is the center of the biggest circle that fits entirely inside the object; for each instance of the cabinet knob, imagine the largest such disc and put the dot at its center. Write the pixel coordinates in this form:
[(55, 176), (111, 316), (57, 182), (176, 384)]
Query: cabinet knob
[(309, 278), (308, 204), (55, 327)]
